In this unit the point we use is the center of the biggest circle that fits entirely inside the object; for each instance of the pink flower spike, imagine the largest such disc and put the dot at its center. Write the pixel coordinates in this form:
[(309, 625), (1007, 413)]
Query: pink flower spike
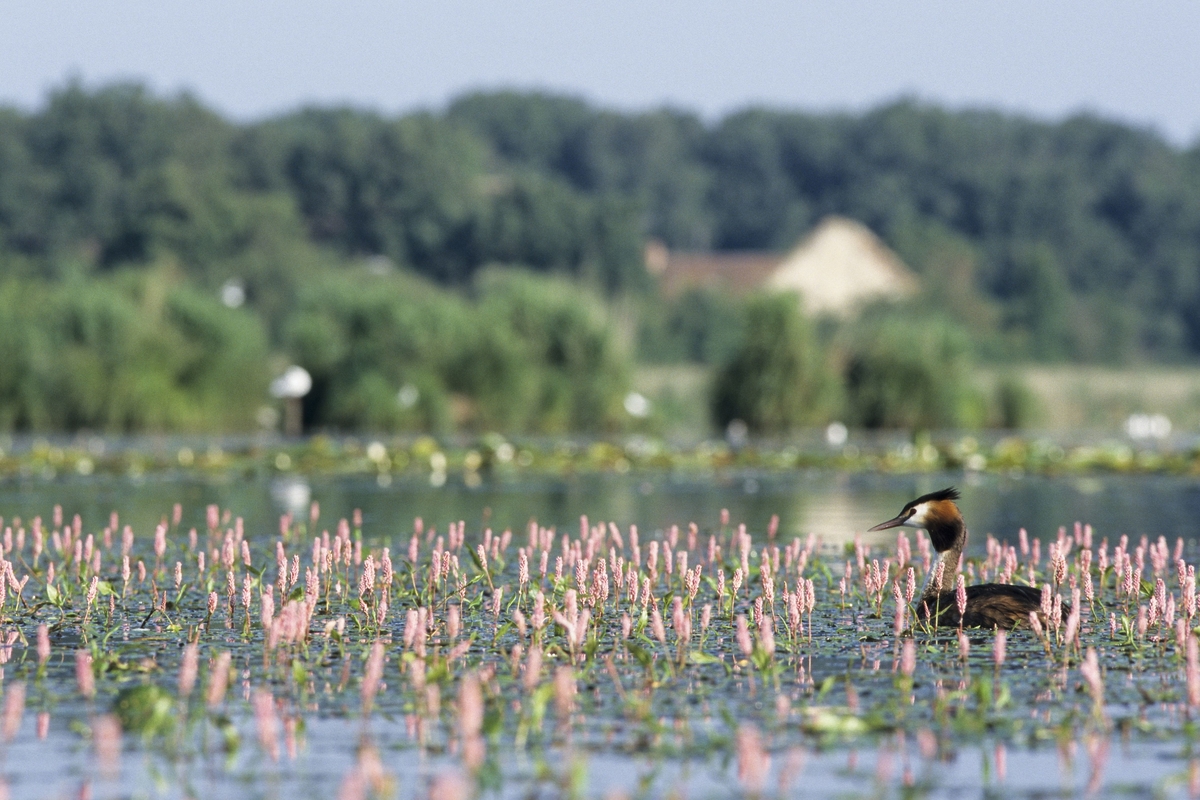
[(43, 643), (188, 669), (743, 636), (908, 658), (372, 677), (1090, 670), (266, 722), (218, 681), (83, 674), (106, 734), (1193, 673), (754, 764), (564, 690), (14, 710), (470, 706)]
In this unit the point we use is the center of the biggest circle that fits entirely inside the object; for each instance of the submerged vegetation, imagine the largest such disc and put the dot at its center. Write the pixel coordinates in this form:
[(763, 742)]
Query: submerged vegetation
[(705, 654)]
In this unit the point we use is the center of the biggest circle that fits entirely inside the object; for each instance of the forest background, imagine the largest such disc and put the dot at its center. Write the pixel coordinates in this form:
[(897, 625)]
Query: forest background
[(481, 267)]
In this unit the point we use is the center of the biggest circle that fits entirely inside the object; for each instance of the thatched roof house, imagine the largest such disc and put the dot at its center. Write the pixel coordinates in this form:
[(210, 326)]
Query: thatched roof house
[(836, 269)]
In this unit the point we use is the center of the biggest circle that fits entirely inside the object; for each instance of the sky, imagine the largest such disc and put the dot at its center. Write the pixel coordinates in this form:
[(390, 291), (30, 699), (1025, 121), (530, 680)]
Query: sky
[(1132, 61)]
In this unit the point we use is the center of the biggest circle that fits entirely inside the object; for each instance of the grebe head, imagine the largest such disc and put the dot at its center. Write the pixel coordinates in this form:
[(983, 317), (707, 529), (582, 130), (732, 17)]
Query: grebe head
[(935, 513)]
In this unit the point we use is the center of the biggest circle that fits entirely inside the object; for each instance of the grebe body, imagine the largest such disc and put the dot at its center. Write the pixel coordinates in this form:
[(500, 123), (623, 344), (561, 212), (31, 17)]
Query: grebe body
[(989, 605)]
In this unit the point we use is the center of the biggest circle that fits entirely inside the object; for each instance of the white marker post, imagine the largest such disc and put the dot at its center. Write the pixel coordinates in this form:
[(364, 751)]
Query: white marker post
[(290, 387)]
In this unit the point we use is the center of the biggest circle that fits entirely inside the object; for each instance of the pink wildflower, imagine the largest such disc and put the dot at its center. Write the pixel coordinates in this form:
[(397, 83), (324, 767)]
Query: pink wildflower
[(1090, 670), (908, 658), (372, 677), (14, 710), (83, 674), (43, 643), (266, 723), (743, 636), (754, 764), (218, 681), (106, 734), (188, 669)]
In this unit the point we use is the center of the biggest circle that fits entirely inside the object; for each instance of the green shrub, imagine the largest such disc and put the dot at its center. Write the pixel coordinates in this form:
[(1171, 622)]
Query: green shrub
[(778, 378), (526, 353), (1016, 406), (364, 337), (701, 325), (910, 372), (583, 372), (132, 353)]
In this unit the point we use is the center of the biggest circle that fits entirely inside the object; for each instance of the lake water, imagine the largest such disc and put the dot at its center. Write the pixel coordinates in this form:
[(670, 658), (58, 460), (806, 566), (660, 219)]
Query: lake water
[(834, 506), (682, 741)]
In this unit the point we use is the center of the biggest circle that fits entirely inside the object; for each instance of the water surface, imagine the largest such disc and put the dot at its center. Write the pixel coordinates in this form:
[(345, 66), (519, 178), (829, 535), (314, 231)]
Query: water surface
[(1041, 741)]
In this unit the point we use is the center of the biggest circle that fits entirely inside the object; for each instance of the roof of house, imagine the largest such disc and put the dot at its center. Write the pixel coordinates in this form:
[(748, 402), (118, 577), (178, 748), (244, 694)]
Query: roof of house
[(840, 266), (739, 272), (836, 268)]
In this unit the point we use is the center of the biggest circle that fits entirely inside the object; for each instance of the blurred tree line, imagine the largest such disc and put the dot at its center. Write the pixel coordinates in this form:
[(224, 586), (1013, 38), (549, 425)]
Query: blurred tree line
[(475, 256)]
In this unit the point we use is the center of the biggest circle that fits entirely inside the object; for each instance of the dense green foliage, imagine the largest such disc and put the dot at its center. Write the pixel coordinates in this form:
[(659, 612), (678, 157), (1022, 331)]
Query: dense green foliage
[(147, 352), (1078, 239), (700, 325), (903, 372), (394, 353), (891, 369), (778, 378), (549, 323), (123, 216), (126, 354)]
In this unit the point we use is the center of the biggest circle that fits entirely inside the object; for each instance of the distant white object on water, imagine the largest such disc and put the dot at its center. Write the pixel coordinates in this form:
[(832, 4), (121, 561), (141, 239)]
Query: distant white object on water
[(291, 494), (836, 434), (1148, 426), (637, 405), (293, 383)]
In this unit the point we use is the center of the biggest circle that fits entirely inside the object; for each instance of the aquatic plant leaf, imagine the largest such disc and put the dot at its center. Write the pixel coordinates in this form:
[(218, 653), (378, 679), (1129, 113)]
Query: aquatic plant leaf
[(828, 720), (146, 710), (640, 654)]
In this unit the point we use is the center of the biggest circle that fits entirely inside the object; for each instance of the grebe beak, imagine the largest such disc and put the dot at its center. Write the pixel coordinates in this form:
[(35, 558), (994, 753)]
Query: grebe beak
[(891, 523)]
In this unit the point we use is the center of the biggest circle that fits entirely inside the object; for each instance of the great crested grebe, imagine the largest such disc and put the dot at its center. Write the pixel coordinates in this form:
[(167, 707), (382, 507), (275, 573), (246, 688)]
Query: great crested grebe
[(989, 605)]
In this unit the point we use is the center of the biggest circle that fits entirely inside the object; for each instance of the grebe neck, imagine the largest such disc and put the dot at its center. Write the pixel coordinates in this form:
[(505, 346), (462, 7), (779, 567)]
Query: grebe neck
[(953, 538)]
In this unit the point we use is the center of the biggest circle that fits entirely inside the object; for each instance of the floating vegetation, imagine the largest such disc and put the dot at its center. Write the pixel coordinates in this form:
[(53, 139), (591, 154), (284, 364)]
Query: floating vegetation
[(324, 657), (492, 457)]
